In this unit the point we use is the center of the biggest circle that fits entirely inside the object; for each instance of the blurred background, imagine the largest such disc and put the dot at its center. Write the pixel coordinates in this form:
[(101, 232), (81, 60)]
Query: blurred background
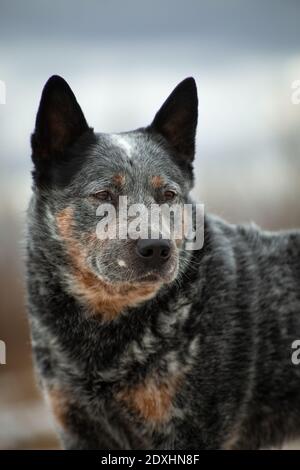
[(122, 59)]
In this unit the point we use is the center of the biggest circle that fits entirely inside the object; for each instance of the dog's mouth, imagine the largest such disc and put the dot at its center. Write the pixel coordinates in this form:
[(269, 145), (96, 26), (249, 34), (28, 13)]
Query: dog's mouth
[(159, 276), (151, 277), (139, 275), (154, 278)]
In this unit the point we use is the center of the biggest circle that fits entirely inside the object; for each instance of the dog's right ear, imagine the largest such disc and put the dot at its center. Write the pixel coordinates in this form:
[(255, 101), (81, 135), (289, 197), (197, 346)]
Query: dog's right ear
[(59, 122)]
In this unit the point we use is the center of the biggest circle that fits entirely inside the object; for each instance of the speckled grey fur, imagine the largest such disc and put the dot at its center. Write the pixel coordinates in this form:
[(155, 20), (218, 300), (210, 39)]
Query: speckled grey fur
[(226, 323)]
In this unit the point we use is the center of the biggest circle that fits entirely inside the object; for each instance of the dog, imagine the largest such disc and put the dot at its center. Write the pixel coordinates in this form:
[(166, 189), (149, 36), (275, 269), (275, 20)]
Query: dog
[(141, 343)]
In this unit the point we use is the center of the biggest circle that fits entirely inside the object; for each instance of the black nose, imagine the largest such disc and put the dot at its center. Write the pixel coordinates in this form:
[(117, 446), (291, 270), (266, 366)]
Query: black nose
[(154, 251)]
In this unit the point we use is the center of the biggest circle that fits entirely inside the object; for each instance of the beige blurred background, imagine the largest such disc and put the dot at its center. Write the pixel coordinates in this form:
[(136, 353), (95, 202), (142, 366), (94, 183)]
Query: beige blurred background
[(122, 59)]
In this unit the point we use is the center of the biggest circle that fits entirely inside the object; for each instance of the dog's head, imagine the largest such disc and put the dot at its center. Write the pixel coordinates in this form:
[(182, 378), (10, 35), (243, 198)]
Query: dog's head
[(79, 175)]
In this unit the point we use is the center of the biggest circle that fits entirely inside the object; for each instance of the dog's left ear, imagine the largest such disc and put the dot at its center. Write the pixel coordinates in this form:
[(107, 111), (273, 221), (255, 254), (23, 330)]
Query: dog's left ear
[(177, 120)]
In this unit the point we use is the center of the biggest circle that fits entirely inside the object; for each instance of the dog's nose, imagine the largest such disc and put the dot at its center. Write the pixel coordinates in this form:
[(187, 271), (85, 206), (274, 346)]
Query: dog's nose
[(154, 251)]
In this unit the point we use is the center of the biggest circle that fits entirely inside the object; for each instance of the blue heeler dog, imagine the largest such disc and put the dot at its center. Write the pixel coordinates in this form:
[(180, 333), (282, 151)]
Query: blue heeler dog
[(143, 344)]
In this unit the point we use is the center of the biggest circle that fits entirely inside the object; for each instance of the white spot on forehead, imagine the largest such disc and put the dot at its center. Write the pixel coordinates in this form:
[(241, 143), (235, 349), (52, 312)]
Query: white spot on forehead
[(123, 142), (121, 263)]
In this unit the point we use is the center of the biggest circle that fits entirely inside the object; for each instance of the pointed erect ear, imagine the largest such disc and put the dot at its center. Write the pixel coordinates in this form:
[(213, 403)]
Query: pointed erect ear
[(177, 119), (59, 120)]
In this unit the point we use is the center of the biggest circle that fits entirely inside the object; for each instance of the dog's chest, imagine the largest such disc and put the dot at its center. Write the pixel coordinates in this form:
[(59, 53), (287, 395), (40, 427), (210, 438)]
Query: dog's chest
[(152, 374)]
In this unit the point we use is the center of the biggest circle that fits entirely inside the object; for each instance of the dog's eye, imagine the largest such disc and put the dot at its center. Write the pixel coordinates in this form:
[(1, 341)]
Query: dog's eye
[(169, 195), (103, 196)]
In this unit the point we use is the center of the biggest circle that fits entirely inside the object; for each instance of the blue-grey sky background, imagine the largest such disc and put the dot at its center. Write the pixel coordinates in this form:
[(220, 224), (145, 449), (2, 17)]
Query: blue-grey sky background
[(122, 59)]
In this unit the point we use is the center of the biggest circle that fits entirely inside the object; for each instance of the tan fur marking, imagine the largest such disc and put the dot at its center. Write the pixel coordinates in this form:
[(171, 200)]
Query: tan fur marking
[(100, 296), (151, 400), (64, 221), (157, 181), (119, 180)]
